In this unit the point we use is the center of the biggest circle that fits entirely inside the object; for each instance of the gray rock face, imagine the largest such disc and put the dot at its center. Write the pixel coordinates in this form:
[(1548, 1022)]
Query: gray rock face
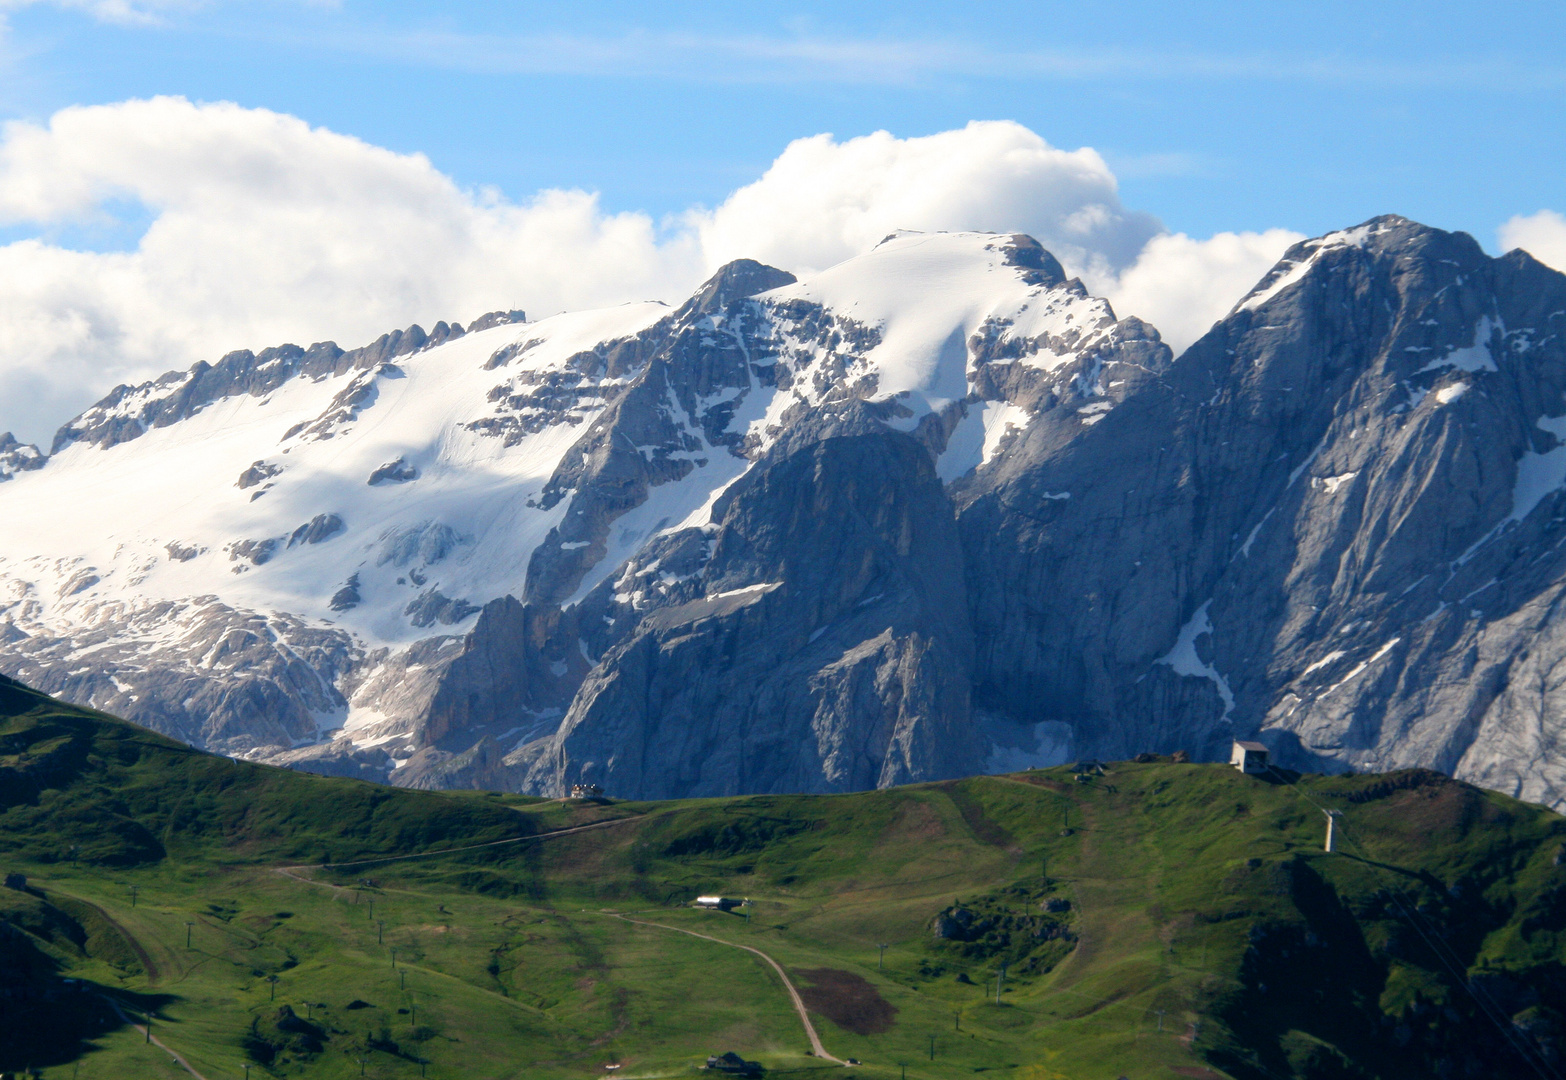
[(225, 679), (394, 472), (435, 606), (18, 457), (496, 318), (317, 530), (1404, 585), (337, 759), (1334, 525), (129, 411), (795, 546), (815, 634), (822, 648), (259, 473)]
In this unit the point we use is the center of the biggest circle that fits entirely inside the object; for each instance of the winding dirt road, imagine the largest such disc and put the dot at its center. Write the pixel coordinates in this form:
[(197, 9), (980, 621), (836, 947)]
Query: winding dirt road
[(148, 964), (154, 1040), (799, 1004)]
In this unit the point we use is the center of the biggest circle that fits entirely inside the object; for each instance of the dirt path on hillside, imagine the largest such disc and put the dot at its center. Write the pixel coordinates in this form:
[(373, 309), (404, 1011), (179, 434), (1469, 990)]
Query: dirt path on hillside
[(154, 1040), (148, 964), (154, 973), (799, 1003)]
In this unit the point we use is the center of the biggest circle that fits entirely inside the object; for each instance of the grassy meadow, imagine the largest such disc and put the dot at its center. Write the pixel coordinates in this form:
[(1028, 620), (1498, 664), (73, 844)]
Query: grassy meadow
[(1162, 920)]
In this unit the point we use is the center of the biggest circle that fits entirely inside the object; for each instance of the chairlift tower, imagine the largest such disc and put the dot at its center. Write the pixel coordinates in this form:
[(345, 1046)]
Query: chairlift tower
[(1332, 833)]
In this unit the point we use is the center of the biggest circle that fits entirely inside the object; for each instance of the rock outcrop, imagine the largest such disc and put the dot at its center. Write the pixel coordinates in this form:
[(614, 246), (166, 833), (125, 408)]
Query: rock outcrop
[(18, 457)]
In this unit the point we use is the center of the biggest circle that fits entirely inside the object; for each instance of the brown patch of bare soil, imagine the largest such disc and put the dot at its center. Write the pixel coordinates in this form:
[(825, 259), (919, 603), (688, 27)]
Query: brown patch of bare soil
[(848, 1000), (918, 819), (1431, 810)]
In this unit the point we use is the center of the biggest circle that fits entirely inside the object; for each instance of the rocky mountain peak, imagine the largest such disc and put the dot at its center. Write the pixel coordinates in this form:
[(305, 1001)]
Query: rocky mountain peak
[(18, 457), (129, 411), (1024, 251), (734, 281)]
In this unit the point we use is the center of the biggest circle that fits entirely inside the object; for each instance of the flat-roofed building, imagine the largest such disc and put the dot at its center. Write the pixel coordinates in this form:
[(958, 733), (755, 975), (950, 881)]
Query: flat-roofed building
[(1249, 757)]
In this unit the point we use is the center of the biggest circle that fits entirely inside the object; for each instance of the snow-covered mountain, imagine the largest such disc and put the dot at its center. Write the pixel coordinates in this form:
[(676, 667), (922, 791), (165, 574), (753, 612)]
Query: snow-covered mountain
[(283, 549), (932, 511)]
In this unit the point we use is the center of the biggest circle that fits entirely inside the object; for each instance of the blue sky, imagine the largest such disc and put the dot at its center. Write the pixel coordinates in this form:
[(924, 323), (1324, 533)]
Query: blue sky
[(179, 178), (1214, 116)]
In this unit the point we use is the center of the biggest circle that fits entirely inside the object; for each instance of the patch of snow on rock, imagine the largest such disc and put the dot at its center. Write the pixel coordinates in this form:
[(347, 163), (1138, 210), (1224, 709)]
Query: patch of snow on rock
[(1184, 660), (1475, 357), (978, 437)]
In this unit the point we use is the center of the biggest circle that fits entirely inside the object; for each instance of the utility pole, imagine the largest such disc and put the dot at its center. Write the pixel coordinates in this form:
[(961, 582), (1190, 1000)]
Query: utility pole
[(134, 890), (880, 959), (380, 928), (403, 975), (188, 925), (394, 958), (371, 902), (1332, 820), (273, 980), (1000, 981)]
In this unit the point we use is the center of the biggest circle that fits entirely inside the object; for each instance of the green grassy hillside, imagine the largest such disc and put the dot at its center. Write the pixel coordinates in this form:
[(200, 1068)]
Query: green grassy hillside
[(1163, 920)]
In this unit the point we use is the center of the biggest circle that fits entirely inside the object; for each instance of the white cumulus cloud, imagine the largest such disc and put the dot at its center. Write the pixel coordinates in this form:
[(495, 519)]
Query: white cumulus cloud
[(1183, 286), (1542, 235), (824, 201), (262, 229)]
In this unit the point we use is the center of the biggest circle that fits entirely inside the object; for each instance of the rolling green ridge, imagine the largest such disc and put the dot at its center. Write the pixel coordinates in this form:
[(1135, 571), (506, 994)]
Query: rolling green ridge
[(1161, 920)]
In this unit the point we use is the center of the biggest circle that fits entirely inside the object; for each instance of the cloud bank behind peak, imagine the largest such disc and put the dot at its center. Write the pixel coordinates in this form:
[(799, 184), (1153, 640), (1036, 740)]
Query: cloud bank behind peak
[(262, 229)]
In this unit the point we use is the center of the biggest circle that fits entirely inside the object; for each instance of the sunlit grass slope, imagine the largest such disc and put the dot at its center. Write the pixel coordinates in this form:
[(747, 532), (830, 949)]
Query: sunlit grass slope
[(1162, 920)]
